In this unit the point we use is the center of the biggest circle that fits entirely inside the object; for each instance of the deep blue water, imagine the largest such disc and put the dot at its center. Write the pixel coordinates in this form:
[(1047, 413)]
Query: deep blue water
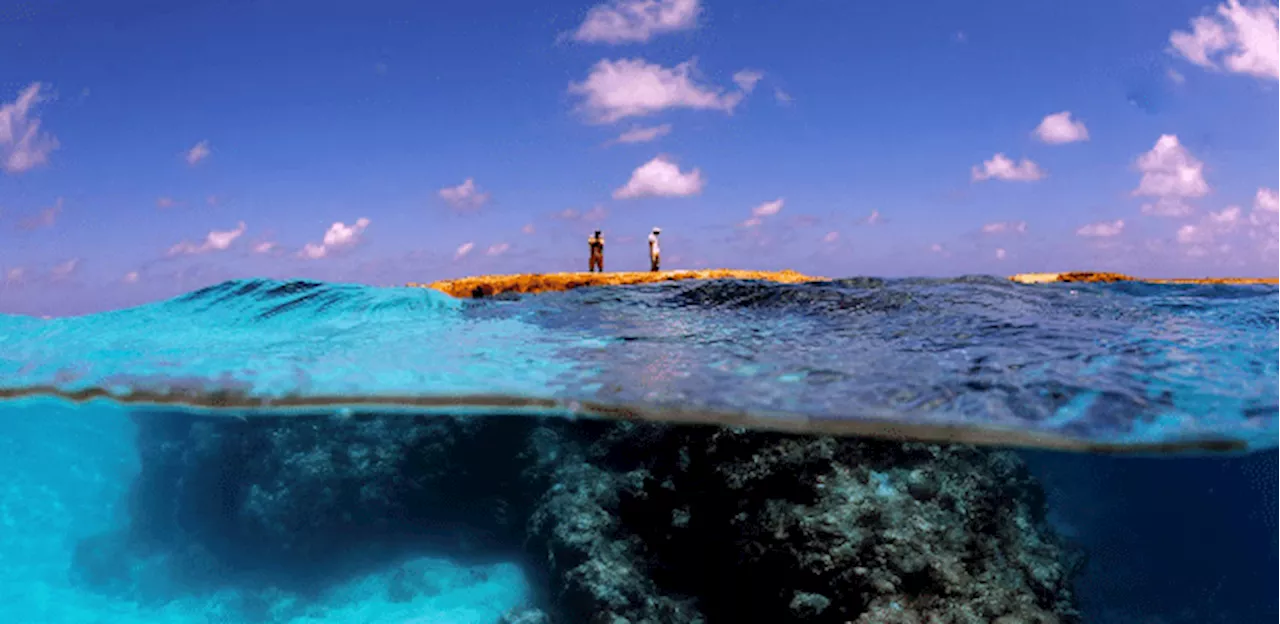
[(1183, 529)]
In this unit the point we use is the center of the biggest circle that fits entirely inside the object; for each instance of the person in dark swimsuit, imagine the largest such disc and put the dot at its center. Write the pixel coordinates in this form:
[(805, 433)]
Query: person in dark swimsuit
[(596, 243)]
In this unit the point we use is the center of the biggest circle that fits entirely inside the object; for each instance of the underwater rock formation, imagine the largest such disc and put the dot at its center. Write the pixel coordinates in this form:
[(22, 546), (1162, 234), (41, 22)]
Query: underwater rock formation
[(620, 521), (490, 285)]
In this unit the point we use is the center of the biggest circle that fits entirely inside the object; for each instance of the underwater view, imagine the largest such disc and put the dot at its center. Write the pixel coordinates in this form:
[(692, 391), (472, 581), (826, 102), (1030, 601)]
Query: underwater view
[(639, 312), (698, 451)]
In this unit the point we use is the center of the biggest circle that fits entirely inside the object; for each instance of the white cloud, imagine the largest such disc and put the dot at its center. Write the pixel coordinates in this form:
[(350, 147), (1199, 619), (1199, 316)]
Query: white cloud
[(831, 237), (661, 177), (1000, 254), (217, 240), (465, 196), (1000, 167), (637, 21), (463, 250), (781, 96), (597, 213), (1171, 175), (643, 135), (529, 229), (22, 145), (45, 218), (625, 88), (1059, 128), (339, 236), (130, 278), (768, 209), (198, 153), (1017, 227), (746, 79), (1103, 229), (64, 269), (1211, 227), (497, 249), (1239, 39), (265, 247), (874, 218), (752, 222), (1265, 200), (1176, 76)]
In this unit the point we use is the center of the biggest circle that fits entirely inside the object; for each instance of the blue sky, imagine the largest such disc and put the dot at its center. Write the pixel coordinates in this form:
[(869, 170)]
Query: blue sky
[(151, 147)]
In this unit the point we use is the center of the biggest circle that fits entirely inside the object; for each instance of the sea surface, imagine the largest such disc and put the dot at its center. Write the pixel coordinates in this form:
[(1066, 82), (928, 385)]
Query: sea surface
[(265, 451)]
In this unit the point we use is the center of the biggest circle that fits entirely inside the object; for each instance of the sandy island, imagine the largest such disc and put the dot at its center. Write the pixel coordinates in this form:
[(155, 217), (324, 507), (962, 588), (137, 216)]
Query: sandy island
[(1092, 276), (490, 285)]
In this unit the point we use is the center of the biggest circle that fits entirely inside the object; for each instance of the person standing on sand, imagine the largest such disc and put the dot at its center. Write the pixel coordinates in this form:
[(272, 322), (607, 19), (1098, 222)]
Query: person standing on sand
[(654, 251), (596, 243)]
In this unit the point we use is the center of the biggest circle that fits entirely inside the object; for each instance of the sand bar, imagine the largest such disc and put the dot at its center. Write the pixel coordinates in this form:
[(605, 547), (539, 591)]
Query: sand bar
[(490, 285), (1100, 277)]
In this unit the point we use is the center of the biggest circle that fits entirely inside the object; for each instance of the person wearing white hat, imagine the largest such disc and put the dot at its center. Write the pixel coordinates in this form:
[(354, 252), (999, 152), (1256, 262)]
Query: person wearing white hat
[(654, 251)]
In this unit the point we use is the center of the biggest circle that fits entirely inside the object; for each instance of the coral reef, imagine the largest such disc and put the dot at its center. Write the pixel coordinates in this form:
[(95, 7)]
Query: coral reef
[(1103, 277), (618, 521), (490, 285)]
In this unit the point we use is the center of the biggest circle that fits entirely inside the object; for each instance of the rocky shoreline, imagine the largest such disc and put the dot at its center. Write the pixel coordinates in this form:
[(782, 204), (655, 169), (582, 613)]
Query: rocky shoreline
[(491, 285), (616, 521)]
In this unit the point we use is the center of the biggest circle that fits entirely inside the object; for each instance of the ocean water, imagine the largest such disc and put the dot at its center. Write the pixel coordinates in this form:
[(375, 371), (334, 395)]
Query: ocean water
[(865, 450)]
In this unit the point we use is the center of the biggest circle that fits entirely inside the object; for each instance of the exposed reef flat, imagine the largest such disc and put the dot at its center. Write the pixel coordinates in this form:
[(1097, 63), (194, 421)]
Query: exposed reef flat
[(490, 285), (1095, 276)]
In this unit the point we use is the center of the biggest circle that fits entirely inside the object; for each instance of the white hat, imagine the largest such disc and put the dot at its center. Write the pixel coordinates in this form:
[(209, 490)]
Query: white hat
[(657, 230)]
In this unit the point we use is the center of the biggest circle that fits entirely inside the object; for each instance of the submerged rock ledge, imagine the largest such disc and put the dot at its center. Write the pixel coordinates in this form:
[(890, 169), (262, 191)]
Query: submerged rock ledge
[(615, 522), (490, 285), (1103, 277)]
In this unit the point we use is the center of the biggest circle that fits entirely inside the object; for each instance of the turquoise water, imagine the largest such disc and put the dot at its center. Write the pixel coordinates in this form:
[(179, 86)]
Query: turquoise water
[(263, 451)]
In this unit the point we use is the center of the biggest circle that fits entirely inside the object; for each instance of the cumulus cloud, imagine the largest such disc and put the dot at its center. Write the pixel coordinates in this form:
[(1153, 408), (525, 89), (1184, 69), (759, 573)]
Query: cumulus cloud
[(643, 135), (65, 269), (597, 213), (265, 247), (1059, 128), (1171, 175), (465, 196), (1238, 38), (1265, 200), (769, 208), (463, 250), (497, 249), (746, 79), (1015, 227), (874, 218), (615, 90), (1103, 229), (198, 153), (339, 236), (22, 145), (46, 217), (1001, 167), (782, 97), (661, 177), (636, 21), (216, 240)]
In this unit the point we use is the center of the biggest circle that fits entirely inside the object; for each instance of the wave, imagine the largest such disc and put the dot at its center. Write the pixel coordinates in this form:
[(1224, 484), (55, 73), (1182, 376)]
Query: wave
[(1096, 367)]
